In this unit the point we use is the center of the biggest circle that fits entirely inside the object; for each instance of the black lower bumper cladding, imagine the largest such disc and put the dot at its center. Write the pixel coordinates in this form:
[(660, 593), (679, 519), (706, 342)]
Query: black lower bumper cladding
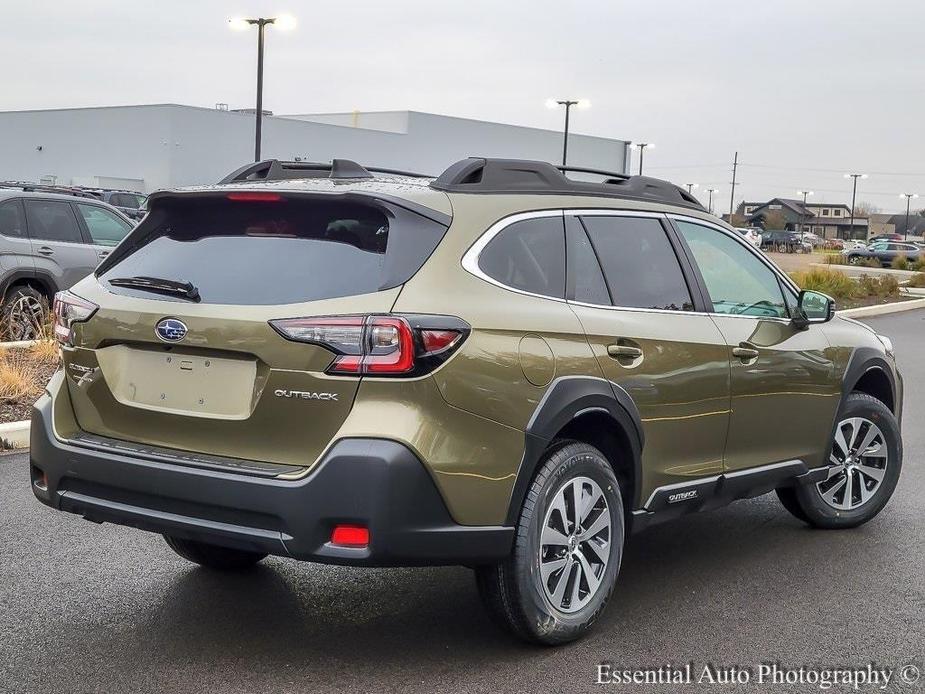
[(375, 483)]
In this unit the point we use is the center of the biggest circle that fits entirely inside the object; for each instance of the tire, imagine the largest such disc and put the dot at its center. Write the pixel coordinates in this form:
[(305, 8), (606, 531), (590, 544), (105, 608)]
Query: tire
[(213, 556), (874, 476), (854, 260), (513, 591), (23, 313)]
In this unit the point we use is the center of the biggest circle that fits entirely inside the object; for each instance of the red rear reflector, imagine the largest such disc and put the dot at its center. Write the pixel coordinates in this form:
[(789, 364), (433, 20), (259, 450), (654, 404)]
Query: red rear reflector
[(245, 196), (437, 340), (350, 536)]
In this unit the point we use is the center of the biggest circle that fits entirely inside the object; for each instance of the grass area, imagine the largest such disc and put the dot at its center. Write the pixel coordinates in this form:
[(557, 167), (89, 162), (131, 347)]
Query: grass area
[(847, 292), (917, 280), (23, 375)]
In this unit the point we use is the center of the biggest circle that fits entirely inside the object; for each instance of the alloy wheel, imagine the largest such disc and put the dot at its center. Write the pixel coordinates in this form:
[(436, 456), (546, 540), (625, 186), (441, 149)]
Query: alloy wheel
[(858, 463), (575, 544), (25, 318)]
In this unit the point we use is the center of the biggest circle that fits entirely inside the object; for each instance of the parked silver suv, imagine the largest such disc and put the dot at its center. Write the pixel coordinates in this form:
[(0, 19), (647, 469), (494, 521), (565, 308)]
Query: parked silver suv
[(47, 243)]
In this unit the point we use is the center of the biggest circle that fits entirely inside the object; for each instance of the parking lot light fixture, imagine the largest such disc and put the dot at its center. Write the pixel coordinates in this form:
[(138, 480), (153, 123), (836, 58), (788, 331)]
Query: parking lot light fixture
[(711, 191), (691, 187), (282, 22), (568, 103), (854, 194), (908, 197), (641, 146)]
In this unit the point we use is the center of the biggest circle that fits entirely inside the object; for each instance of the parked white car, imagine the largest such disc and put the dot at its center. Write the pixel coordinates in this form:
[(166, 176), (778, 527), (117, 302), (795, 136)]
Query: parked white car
[(752, 235), (853, 245)]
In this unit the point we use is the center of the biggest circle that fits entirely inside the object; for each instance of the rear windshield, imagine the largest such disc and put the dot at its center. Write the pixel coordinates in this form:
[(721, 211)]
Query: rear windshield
[(277, 252)]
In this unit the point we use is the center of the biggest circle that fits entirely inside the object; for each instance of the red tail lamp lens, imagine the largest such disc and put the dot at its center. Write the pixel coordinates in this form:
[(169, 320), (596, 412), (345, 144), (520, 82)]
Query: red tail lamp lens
[(350, 536), (438, 340)]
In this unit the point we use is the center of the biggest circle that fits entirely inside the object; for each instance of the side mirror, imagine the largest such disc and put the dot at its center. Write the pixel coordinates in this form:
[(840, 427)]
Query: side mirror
[(813, 307)]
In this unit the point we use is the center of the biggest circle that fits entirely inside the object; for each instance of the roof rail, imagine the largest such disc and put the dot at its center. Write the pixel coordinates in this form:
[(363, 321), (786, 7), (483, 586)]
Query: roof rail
[(276, 170), (485, 175)]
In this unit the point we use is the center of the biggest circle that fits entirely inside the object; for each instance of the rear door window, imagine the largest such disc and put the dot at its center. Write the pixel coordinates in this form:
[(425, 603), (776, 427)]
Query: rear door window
[(106, 229), (287, 250), (640, 266), (52, 220), (528, 255)]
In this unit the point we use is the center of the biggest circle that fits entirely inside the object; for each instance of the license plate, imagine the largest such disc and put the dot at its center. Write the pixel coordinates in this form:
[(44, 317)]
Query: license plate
[(185, 384)]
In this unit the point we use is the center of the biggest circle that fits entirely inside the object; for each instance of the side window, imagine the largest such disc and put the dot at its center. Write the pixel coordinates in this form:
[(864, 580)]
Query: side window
[(12, 221), (738, 282), (528, 255), (640, 266), (105, 228), (585, 278), (52, 220)]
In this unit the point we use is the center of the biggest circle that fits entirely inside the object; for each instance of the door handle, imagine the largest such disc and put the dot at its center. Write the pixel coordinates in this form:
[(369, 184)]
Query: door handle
[(624, 351), (102, 254), (745, 352), (45, 250)]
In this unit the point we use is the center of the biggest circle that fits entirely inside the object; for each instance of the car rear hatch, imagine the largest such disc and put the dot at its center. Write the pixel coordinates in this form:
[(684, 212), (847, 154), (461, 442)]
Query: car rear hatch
[(181, 352)]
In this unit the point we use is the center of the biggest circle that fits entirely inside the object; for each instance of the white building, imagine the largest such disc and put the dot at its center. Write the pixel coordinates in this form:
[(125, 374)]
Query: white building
[(163, 145)]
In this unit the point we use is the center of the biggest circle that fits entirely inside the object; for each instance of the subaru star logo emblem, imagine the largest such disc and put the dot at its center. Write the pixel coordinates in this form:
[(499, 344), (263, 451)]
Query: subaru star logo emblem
[(170, 330)]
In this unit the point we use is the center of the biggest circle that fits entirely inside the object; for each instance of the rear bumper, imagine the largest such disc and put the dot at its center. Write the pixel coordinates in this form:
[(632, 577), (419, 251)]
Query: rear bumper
[(376, 483)]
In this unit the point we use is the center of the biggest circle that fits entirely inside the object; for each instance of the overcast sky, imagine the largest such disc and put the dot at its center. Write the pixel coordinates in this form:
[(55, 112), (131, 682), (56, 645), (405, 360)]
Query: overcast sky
[(805, 90)]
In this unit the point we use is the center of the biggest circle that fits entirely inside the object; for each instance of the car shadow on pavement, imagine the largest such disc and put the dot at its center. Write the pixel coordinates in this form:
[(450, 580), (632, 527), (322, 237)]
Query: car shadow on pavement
[(314, 620)]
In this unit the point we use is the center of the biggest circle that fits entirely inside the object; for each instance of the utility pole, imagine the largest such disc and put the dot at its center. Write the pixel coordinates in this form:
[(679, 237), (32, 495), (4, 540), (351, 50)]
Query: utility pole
[(854, 195), (732, 192), (804, 193), (711, 191), (908, 197)]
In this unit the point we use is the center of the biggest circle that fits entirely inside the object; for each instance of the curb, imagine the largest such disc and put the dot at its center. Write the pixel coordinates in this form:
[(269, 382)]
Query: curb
[(15, 434), (882, 309)]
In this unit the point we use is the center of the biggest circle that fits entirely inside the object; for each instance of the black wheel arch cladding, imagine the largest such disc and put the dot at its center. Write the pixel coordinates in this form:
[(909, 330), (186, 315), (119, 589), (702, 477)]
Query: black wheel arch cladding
[(566, 398)]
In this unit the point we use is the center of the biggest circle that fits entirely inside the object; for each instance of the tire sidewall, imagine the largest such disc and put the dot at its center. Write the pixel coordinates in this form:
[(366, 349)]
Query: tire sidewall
[(809, 497), (584, 462)]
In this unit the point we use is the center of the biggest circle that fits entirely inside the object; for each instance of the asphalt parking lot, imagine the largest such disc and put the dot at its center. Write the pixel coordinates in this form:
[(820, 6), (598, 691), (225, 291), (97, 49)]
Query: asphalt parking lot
[(88, 608)]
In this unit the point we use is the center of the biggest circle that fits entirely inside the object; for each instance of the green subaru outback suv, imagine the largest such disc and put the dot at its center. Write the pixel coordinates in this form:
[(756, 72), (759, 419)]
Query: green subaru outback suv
[(504, 367)]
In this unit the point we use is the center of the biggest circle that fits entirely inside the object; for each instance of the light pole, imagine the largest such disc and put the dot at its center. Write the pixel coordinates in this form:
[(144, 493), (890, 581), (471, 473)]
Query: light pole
[(908, 197), (805, 194), (641, 146), (568, 103), (284, 22), (710, 204), (854, 194), (691, 186)]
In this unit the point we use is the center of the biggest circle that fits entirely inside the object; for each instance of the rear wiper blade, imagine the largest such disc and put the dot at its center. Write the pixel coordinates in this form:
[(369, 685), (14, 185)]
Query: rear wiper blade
[(159, 285)]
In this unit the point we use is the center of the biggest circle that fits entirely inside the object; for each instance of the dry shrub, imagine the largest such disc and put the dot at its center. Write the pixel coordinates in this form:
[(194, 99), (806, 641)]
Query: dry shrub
[(917, 280), (882, 287), (836, 284), (19, 375)]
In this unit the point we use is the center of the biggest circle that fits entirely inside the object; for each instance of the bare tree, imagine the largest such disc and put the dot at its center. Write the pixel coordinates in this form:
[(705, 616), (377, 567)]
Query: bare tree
[(774, 220), (865, 209)]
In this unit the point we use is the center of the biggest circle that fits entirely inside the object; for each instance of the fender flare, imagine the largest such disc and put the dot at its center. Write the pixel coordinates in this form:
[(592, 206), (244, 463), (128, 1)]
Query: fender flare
[(566, 398), (863, 360), (41, 276)]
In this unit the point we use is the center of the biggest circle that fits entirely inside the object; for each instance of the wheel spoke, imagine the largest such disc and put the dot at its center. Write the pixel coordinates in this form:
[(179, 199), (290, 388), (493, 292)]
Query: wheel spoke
[(601, 522), (574, 600), (862, 488), (601, 549), (548, 568), (872, 433), (575, 490), (551, 536), (841, 443), (829, 495), (849, 490), (592, 580), (558, 593), (558, 505), (589, 504), (834, 471), (874, 473)]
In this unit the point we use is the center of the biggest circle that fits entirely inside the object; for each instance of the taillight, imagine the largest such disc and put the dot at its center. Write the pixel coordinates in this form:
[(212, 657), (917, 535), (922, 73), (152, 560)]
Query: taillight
[(249, 196), (379, 345), (70, 309)]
